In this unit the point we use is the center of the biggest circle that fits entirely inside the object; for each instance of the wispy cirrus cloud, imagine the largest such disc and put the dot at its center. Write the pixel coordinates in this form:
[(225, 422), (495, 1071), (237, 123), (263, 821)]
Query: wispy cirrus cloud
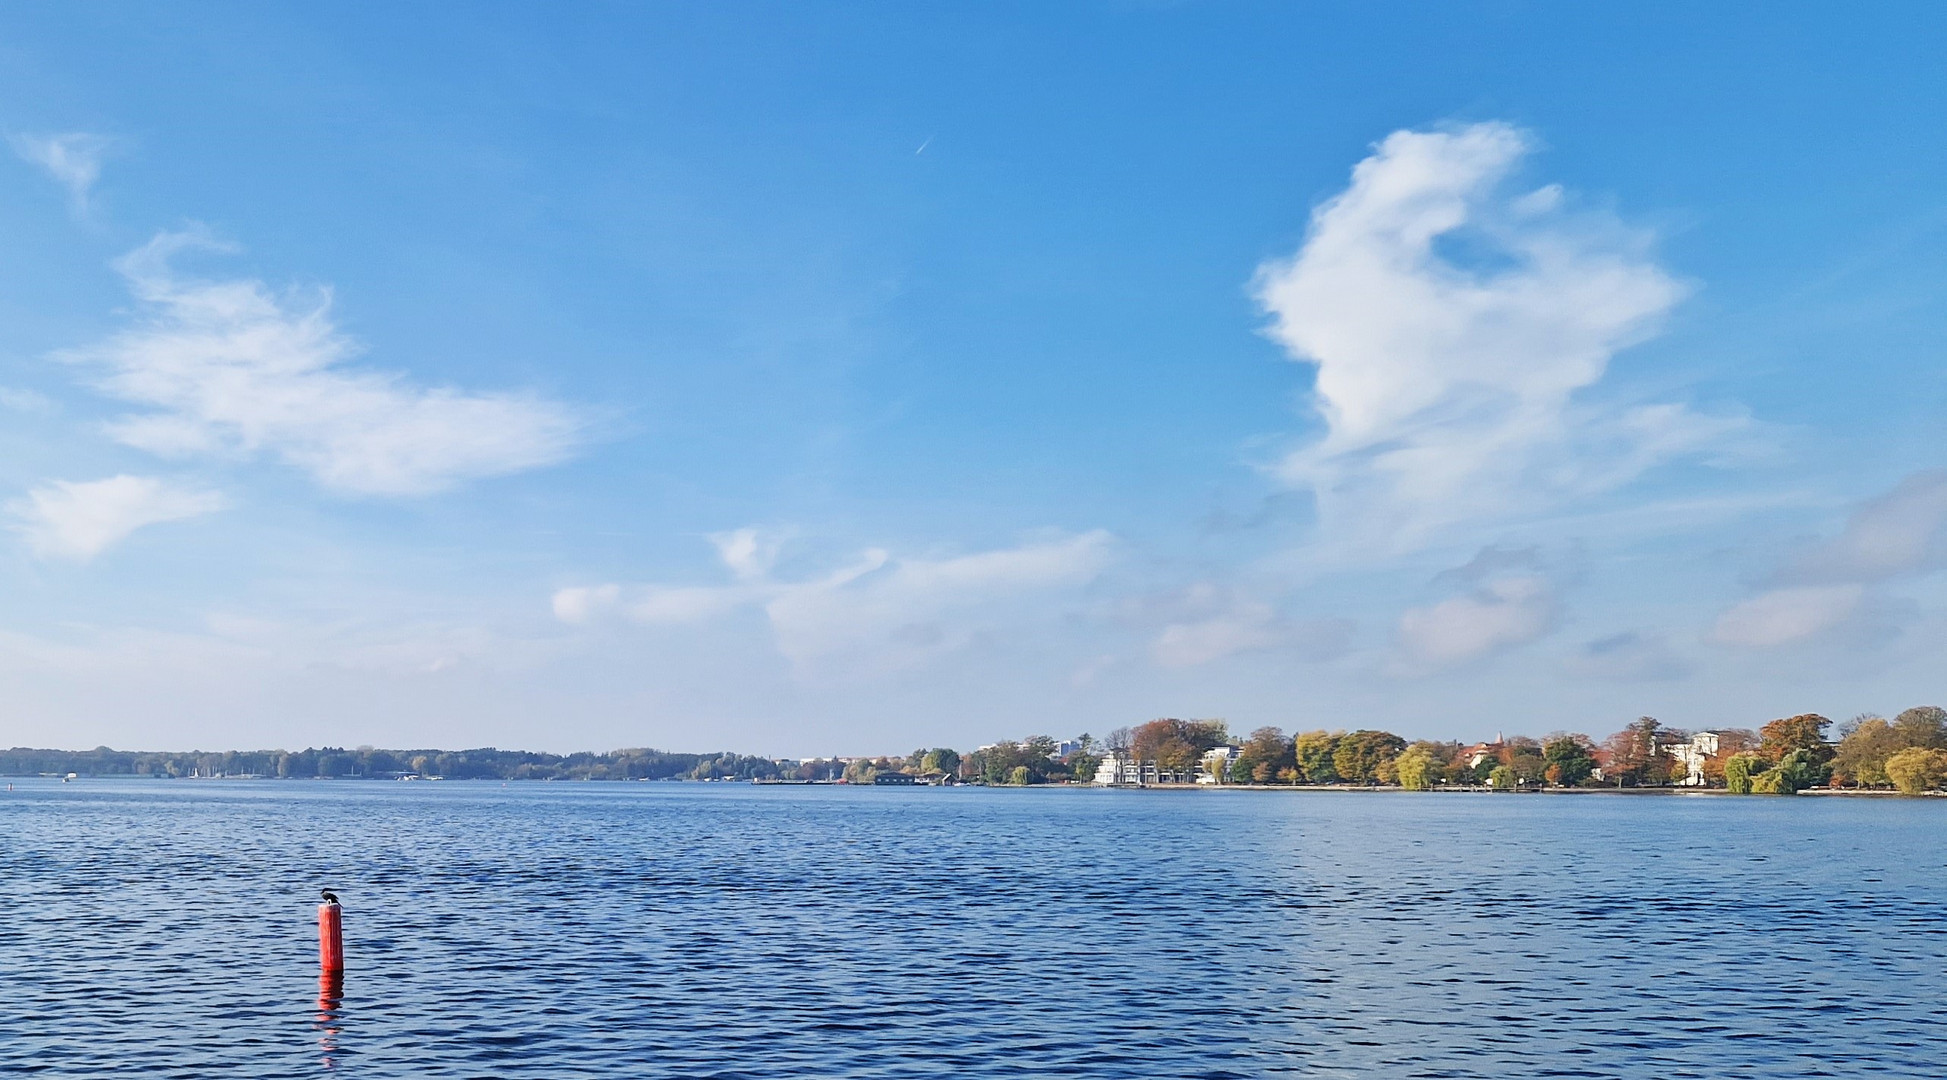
[(1900, 534), (229, 368), (1453, 323), (878, 614), (65, 519), (73, 160)]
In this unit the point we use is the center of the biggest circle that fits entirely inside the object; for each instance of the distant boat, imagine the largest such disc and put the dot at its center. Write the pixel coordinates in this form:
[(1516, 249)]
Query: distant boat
[(70, 778)]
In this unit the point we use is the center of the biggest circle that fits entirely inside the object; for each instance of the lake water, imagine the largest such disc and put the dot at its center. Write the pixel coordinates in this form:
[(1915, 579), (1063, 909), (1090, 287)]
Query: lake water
[(167, 929)]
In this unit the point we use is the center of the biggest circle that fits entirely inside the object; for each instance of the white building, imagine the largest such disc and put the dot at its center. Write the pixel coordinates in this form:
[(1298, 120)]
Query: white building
[(1215, 766), (1691, 754), (1120, 768)]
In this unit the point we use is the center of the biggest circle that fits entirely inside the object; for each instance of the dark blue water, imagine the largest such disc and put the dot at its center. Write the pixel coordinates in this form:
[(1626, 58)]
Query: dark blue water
[(166, 929)]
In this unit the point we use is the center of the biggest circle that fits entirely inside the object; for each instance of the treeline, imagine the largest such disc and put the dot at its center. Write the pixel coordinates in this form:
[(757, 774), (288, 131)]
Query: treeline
[(1908, 753), (370, 763)]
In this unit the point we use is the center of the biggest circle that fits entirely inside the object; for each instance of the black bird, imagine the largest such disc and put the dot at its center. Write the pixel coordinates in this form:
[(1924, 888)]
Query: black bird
[(329, 897)]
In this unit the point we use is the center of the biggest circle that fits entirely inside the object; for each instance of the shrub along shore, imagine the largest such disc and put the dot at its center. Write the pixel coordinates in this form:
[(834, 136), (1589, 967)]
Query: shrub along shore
[(1907, 753)]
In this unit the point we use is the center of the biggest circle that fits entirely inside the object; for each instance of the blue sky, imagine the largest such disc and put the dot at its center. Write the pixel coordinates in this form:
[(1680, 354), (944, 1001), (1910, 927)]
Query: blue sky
[(834, 379)]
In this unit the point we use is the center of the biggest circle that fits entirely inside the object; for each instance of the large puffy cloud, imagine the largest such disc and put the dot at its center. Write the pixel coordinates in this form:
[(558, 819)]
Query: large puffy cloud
[(1900, 534), (878, 614), (79, 520), (1452, 324), (230, 368)]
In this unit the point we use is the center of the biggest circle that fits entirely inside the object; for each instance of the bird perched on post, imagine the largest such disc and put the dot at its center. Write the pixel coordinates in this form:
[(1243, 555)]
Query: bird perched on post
[(329, 897)]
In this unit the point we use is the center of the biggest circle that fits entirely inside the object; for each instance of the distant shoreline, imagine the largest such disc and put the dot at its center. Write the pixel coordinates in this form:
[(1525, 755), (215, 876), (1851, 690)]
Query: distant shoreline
[(1347, 789)]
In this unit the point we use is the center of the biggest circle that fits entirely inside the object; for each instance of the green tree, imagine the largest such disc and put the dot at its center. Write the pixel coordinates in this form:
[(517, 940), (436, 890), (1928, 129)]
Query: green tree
[(1917, 769), (1022, 776), (1571, 759), (1738, 771), (998, 762), (1360, 756), (1799, 770), (1416, 768), (1313, 751), (861, 771), (1502, 778), (940, 760)]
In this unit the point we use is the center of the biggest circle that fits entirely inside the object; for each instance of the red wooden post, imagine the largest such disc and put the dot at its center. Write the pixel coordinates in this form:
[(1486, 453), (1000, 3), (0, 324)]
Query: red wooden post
[(331, 938)]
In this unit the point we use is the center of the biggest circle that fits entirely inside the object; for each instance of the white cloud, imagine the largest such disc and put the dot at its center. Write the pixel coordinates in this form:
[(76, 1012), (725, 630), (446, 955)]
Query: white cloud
[(231, 368), (748, 552), (879, 614), (1902, 531), (70, 520), (73, 159), (1899, 534), (581, 603), (1505, 607), (1782, 616), (24, 401), (1207, 623), (1247, 627), (1451, 326)]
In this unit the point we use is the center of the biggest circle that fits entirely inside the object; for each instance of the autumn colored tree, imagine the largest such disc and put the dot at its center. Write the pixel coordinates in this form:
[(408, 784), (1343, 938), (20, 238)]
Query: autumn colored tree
[(1730, 742), (1359, 756), (1917, 769), (1924, 726), (1263, 756), (1313, 751), (1865, 744), (1148, 741), (1633, 754), (1523, 755), (1805, 731)]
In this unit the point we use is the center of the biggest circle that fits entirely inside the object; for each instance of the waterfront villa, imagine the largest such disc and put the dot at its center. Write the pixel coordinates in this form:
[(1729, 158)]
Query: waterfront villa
[(1691, 754), (1120, 768), (1215, 766)]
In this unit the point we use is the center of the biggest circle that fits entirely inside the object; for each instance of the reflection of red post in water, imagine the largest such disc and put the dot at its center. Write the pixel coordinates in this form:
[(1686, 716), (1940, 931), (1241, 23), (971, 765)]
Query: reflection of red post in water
[(331, 995), (331, 938)]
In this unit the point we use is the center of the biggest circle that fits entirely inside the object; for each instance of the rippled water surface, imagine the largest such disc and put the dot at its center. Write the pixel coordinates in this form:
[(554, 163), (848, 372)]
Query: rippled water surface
[(166, 928)]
